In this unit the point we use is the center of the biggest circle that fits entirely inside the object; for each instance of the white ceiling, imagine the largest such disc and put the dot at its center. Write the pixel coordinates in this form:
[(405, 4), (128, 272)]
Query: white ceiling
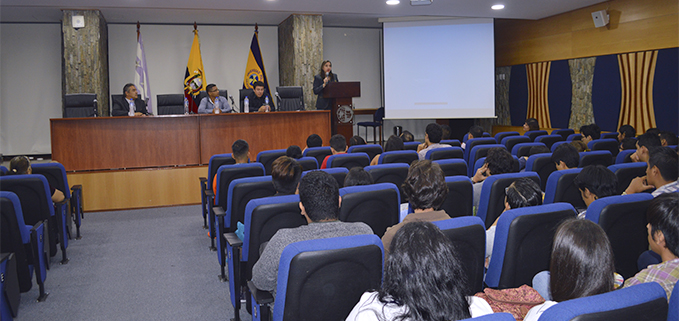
[(359, 13)]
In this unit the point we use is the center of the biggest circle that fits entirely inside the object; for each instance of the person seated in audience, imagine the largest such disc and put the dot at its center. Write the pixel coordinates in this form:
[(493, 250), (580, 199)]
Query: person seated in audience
[(531, 124), (22, 165), (653, 131), (644, 143), (129, 104), (294, 151), (663, 237), (423, 280), (581, 265), (313, 141), (319, 201), (240, 151), (628, 143), (579, 145), (523, 192), (590, 132), (426, 189), (257, 99), (498, 161), (626, 131), (213, 103), (407, 136), (533, 150), (285, 175), (595, 182), (475, 131), (358, 176), (338, 145), (667, 138), (393, 143), (446, 132), (356, 140), (661, 173), (566, 157), (432, 138)]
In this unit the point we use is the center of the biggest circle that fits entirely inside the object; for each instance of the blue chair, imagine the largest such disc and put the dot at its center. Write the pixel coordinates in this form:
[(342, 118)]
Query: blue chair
[(389, 173), (477, 152), (498, 316), (317, 152), (573, 137), (344, 268), (673, 309), (451, 142), (510, 141), (623, 156), (523, 149), (468, 233), (349, 161), (523, 243), (609, 144), (543, 165), (3, 170), (474, 142), (626, 173), (609, 135), (267, 157), (378, 121), (308, 163), (646, 301), (491, 201), (480, 161), (452, 167), (411, 145), (623, 218), (398, 156), (549, 140), (338, 173), (599, 157), (533, 134), (487, 134), (557, 144), (371, 149), (560, 188), (71, 206), (501, 135), (444, 153), (563, 132), (459, 201), (206, 183), (9, 287), (378, 205)]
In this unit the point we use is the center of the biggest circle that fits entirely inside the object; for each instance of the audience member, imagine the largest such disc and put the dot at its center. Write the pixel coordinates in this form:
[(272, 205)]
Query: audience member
[(257, 100), (590, 132), (498, 161), (446, 132), (661, 173), (213, 103), (566, 157), (356, 140), (644, 143), (582, 265), (393, 143), (579, 145), (22, 165), (432, 138), (531, 124), (595, 182), (423, 280), (667, 138), (129, 104), (426, 189), (338, 145), (285, 174), (313, 141), (319, 202), (294, 151), (357, 176), (628, 143), (475, 131), (407, 136), (653, 131), (240, 151), (626, 131), (663, 237), (533, 150)]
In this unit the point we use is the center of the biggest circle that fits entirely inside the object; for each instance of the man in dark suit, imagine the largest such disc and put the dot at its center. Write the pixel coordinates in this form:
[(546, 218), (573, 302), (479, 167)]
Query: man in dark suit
[(129, 104)]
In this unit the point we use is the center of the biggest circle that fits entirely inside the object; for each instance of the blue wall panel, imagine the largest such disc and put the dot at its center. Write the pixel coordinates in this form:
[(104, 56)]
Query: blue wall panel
[(666, 90), (559, 94), (518, 95), (606, 92)]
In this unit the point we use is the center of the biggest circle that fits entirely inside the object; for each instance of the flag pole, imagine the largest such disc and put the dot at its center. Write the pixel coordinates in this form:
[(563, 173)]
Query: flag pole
[(195, 27), (138, 26)]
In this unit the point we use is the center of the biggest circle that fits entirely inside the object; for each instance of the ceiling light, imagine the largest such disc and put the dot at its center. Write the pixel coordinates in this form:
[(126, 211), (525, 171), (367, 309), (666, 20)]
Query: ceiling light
[(393, 2), (498, 7)]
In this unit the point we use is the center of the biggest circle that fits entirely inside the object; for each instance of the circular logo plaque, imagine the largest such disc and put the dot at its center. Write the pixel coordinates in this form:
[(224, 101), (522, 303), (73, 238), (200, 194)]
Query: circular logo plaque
[(345, 114)]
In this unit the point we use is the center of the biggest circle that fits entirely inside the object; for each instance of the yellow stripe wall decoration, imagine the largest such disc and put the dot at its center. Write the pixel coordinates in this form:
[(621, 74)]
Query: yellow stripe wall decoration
[(637, 71), (537, 75)]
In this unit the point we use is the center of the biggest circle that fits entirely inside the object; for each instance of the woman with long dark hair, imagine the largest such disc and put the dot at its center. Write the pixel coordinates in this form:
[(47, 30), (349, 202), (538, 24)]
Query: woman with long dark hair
[(392, 144), (423, 281), (21, 165), (321, 80)]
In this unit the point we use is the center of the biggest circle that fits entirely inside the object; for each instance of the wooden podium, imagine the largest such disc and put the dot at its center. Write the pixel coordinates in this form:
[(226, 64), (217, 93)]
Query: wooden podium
[(341, 94)]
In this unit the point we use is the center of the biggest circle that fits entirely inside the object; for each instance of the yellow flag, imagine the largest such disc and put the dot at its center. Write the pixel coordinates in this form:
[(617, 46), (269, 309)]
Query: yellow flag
[(254, 70), (194, 79)]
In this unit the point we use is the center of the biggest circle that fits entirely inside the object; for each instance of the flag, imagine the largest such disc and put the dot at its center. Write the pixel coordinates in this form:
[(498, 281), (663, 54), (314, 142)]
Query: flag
[(141, 75), (194, 79), (254, 70)]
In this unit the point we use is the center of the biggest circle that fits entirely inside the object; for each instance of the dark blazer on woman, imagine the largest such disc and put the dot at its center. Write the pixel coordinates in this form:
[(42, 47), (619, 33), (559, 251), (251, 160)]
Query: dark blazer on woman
[(322, 103)]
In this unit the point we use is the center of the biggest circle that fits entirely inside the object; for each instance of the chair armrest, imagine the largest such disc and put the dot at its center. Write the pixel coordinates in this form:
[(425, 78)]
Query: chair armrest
[(261, 297), (202, 179), (61, 203), (76, 187), (218, 210), (233, 240), (209, 193), (36, 227)]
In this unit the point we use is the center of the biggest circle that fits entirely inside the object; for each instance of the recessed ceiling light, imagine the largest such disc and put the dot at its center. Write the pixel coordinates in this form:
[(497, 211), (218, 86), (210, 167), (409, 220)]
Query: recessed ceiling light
[(393, 2), (498, 7)]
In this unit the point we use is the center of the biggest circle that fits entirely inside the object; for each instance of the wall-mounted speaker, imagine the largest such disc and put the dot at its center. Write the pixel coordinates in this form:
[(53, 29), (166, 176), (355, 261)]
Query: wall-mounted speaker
[(600, 18)]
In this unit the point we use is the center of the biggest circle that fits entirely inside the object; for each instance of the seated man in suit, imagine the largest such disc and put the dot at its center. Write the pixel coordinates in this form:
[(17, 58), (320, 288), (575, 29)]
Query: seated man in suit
[(338, 145), (213, 103), (258, 101), (566, 156), (129, 104), (319, 202)]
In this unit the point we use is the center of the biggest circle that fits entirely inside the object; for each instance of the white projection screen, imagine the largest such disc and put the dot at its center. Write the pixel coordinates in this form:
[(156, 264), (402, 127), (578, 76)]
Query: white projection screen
[(439, 69)]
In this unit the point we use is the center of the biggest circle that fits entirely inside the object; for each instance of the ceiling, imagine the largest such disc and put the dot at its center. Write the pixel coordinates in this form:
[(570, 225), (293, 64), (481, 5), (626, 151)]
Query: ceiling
[(356, 13)]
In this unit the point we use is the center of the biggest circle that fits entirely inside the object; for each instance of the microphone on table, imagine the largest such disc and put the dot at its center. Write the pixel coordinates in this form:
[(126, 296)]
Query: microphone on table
[(278, 99), (233, 105), (94, 102)]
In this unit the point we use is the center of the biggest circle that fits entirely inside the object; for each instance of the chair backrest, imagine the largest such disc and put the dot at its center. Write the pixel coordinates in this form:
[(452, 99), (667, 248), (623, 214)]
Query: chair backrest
[(308, 163), (474, 142), (609, 135), (510, 141), (3, 170), (79, 105), (549, 140), (523, 243), (623, 218), (533, 134), (242, 93), (673, 309), (55, 173), (444, 153), (170, 104), (543, 165), (451, 142), (378, 205), (292, 98), (599, 157), (479, 163), (389, 173), (452, 167), (468, 235), (378, 116), (501, 135), (243, 190), (626, 173), (34, 195), (15, 236), (492, 199), (609, 144), (344, 268), (398, 156), (227, 173), (573, 137), (523, 149), (624, 156), (459, 201), (318, 152), (563, 132), (217, 161), (560, 188), (202, 94), (497, 316), (479, 151), (646, 301), (338, 173), (487, 134), (349, 161), (411, 145), (371, 149), (267, 158), (557, 144)]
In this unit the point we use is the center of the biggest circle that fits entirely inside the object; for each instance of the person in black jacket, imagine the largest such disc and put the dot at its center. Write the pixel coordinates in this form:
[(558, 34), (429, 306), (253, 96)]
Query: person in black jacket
[(257, 100), (321, 80), (121, 106)]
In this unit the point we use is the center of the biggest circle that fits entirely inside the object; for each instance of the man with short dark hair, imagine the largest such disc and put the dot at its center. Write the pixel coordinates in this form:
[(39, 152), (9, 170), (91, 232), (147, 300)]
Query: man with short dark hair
[(432, 138), (407, 136), (661, 173), (319, 202), (644, 143), (595, 182), (446, 132), (240, 151), (590, 132), (313, 141), (258, 101), (626, 131), (129, 104), (498, 161), (566, 157), (667, 138), (338, 145), (475, 131), (213, 103)]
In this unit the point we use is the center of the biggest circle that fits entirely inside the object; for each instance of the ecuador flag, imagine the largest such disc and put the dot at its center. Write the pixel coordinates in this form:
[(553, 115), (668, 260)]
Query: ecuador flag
[(194, 79), (254, 70)]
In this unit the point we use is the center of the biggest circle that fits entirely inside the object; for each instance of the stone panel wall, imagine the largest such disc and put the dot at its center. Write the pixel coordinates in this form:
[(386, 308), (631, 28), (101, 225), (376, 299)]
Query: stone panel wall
[(582, 76)]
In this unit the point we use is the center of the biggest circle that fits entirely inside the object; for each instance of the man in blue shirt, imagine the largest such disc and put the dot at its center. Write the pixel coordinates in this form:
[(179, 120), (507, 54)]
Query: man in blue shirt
[(213, 103)]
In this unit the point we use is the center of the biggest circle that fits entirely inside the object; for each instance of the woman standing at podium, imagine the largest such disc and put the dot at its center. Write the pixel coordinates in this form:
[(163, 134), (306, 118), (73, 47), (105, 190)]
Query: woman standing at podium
[(321, 80)]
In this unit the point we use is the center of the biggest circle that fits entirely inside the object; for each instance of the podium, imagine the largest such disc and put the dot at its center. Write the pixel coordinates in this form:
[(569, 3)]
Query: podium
[(341, 94)]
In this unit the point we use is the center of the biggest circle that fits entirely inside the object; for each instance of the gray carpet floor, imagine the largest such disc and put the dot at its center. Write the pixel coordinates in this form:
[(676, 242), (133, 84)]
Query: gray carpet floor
[(149, 264)]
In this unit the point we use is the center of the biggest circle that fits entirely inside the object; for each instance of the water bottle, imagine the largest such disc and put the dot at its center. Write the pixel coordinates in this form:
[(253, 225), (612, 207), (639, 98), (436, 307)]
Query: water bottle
[(217, 110), (266, 101), (131, 112), (246, 104), (186, 106)]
